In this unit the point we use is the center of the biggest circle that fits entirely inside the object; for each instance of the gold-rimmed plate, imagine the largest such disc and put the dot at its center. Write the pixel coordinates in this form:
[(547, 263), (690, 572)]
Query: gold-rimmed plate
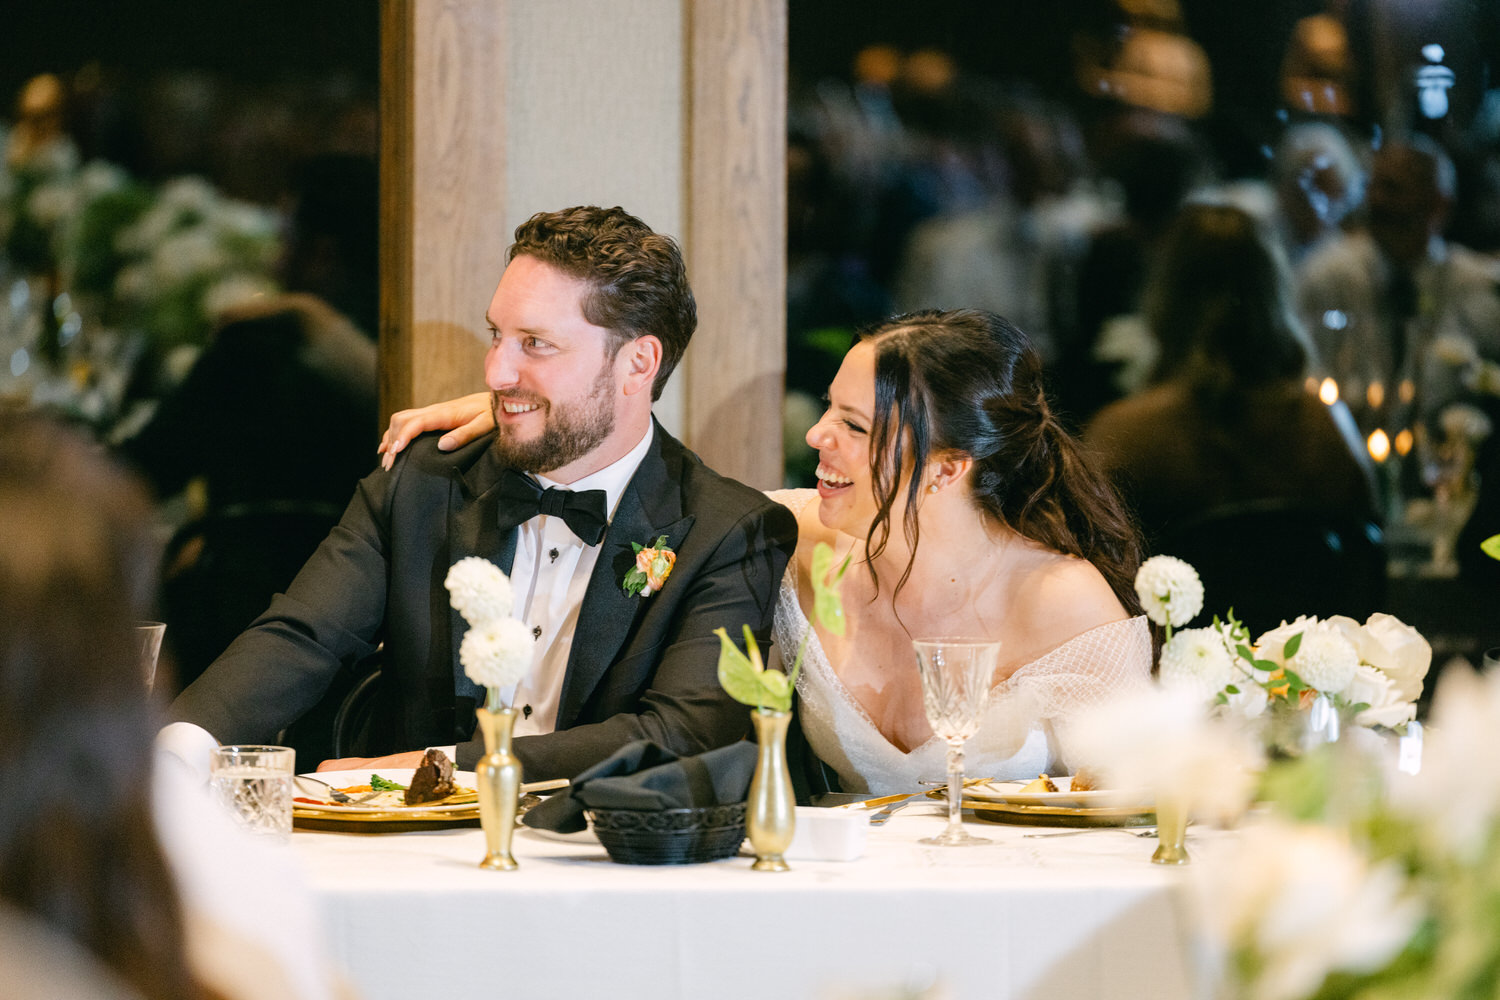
[(1056, 815), (388, 803), (1010, 793)]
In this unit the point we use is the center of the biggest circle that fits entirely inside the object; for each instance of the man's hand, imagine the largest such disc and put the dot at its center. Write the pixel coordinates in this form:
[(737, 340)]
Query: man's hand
[(412, 758), (465, 419)]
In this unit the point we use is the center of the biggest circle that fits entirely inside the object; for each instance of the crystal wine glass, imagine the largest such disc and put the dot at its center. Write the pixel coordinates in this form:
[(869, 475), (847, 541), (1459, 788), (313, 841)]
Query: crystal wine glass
[(956, 678)]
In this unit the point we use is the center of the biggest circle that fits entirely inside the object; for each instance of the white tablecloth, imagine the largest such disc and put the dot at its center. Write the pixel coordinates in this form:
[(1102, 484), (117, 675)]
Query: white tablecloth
[(412, 916)]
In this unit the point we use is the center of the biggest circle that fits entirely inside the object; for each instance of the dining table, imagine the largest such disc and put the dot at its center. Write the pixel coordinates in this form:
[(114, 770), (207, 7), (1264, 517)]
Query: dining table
[(1032, 914)]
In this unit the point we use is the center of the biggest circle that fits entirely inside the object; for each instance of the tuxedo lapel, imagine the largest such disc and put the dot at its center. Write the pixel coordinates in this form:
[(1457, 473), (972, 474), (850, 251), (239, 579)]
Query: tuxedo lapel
[(650, 507)]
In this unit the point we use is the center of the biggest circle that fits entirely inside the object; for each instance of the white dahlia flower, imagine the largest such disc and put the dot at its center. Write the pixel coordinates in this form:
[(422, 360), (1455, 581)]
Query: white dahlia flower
[(1169, 589)]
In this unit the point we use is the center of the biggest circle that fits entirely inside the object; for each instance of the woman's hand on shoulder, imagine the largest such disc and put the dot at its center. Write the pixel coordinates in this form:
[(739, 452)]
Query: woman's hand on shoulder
[(465, 419)]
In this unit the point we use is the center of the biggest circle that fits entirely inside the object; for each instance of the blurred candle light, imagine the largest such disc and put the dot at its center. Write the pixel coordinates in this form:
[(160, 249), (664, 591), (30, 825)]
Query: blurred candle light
[(1328, 392), (1407, 390), (1375, 395), (1404, 441), (1379, 445)]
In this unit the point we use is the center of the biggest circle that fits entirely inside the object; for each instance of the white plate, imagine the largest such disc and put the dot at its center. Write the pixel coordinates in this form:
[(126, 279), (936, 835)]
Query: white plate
[(1009, 792), (389, 802)]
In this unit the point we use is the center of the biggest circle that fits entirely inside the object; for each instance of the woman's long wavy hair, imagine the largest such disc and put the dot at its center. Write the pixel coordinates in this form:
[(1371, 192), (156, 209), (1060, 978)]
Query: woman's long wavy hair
[(78, 846), (969, 382)]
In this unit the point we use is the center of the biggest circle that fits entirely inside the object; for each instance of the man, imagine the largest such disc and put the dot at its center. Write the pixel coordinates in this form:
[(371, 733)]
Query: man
[(1400, 316), (591, 315)]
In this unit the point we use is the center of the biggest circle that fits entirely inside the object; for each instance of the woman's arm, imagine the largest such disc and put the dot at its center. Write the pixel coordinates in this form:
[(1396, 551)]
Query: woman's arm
[(465, 419)]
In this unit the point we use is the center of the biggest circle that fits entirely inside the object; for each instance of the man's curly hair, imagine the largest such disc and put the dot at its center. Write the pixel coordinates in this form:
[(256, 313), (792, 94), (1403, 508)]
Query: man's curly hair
[(638, 280)]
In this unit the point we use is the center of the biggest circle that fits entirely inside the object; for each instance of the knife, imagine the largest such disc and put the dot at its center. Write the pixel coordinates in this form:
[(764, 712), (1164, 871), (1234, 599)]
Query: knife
[(890, 810)]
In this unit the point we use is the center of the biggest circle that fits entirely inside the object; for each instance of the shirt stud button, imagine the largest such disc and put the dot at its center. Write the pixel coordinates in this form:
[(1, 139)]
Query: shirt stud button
[(553, 554), (536, 631)]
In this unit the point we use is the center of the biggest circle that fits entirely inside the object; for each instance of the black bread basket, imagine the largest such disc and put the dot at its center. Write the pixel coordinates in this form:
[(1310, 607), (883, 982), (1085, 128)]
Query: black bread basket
[(670, 836)]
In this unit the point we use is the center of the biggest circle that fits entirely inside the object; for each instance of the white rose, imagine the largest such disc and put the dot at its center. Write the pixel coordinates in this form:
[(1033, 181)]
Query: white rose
[(1387, 707), (1196, 661), (1272, 645), (1397, 650)]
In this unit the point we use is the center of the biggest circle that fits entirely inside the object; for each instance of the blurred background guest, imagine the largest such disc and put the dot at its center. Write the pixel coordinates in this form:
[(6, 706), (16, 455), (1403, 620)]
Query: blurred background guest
[(102, 843), (1401, 315), (78, 849), (1319, 184), (1228, 416), (260, 508)]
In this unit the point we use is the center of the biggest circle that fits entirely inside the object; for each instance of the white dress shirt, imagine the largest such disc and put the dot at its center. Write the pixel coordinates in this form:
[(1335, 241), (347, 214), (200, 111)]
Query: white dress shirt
[(548, 577)]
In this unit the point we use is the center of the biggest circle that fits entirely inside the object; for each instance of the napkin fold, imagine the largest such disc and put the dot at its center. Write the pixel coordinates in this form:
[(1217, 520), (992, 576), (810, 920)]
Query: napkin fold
[(643, 775)]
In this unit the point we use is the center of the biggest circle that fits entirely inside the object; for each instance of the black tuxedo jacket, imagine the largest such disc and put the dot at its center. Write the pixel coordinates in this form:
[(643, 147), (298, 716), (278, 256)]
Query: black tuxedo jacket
[(640, 667)]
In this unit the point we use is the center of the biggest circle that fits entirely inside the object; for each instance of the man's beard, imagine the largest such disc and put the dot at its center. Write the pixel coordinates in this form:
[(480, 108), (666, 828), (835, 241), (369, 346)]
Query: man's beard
[(569, 433)]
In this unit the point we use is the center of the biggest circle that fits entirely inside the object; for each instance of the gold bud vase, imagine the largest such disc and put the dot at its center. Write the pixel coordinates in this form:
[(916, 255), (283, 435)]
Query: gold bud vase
[(1171, 832), (498, 775), (771, 814)]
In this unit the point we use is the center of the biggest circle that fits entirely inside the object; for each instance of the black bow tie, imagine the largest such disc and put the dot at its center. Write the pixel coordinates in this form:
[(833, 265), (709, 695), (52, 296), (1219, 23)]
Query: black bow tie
[(521, 499)]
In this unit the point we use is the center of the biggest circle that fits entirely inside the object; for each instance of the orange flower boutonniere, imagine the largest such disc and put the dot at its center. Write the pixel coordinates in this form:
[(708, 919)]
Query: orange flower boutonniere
[(653, 564)]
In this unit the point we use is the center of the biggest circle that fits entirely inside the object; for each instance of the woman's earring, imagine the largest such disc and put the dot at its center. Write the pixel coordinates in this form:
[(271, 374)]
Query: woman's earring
[(932, 488)]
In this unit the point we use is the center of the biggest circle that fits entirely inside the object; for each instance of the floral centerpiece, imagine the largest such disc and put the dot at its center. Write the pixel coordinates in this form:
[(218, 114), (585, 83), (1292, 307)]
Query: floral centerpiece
[(496, 652), (1369, 883), (1371, 673)]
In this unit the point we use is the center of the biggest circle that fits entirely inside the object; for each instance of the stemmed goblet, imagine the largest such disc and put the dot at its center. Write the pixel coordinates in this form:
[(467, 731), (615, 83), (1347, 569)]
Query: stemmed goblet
[(957, 674)]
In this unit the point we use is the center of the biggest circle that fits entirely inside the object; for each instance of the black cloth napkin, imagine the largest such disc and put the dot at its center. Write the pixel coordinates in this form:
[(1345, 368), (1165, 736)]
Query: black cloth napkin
[(643, 775)]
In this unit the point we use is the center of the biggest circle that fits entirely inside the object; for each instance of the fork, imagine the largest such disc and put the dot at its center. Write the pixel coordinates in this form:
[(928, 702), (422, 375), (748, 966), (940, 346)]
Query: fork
[(327, 791)]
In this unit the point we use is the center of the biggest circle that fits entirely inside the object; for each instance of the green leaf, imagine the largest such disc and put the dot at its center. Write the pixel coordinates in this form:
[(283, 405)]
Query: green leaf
[(637, 546), (826, 581), (778, 693), (1491, 546), (1246, 653), (1292, 645), (1297, 683), (379, 784), (1232, 689), (753, 650), (737, 675)]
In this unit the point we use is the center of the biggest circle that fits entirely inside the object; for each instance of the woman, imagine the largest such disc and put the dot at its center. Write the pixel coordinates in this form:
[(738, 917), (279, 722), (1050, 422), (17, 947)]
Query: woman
[(105, 843), (78, 850), (1229, 416), (968, 511)]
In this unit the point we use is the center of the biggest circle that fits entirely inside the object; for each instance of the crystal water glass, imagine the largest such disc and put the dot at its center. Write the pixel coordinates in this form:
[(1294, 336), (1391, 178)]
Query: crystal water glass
[(254, 783), (148, 637), (957, 675)]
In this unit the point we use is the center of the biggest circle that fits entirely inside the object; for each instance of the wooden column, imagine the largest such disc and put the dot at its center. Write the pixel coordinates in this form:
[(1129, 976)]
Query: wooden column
[(495, 109), (442, 193), (736, 236)]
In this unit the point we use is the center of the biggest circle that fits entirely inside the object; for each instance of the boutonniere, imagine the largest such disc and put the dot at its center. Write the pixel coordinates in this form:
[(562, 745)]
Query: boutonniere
[(653, 564)]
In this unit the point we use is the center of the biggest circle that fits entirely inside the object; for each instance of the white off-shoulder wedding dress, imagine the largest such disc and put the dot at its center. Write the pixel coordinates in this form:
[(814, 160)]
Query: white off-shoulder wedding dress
[(1017, 737)]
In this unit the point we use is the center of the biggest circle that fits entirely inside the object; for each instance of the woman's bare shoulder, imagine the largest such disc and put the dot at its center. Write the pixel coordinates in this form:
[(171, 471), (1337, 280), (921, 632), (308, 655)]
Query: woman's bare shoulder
[(1062, 596)]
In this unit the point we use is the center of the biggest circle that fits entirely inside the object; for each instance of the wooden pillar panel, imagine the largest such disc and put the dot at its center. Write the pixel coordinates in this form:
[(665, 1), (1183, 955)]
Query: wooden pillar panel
[(736, 238)]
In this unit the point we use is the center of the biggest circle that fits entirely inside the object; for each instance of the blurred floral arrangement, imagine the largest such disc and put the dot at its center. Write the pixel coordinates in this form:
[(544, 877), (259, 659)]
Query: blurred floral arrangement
[(1371, 673), (1366, 882), (1356, 875), (86, 248)]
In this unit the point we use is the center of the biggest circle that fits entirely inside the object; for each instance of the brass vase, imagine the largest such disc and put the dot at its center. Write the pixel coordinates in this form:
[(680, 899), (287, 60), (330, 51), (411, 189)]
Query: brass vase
[(498, 775), (771, 814), (1171, 831)]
